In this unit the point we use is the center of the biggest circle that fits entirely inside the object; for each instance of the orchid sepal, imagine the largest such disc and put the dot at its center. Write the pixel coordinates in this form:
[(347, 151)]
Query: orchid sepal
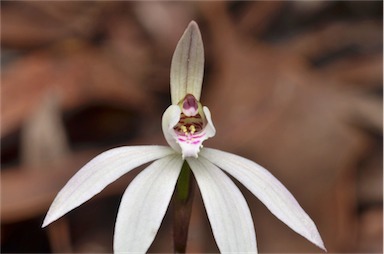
[(187, 67)]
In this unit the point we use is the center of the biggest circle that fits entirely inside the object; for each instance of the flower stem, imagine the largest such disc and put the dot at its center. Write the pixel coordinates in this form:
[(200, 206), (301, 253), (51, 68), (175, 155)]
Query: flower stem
[(182, 208)]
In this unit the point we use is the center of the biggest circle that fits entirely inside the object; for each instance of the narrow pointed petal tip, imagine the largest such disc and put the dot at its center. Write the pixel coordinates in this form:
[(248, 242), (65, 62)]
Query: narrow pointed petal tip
[(270, 191), (100, 172), (226, 207), (187, 67), (144, 204)]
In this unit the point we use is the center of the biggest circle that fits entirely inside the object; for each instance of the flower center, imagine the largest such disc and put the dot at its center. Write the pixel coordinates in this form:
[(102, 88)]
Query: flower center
[(191, 122)]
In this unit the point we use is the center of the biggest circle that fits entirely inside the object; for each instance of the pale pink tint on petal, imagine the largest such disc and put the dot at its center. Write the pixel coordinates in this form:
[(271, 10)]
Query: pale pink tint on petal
[(144, 204), (98, 173), (227, 210), (268, 190)]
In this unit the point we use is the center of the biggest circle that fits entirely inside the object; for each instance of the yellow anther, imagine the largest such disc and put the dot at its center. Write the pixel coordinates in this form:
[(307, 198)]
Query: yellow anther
[(183, 128), (192, 129)]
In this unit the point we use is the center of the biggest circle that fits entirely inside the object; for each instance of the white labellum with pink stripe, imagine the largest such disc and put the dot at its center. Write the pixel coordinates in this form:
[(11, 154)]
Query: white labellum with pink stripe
[(187, 125)]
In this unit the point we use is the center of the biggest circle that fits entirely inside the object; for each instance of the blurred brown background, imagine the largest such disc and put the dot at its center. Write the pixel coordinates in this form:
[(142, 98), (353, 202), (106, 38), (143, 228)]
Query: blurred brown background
[(294, 86)]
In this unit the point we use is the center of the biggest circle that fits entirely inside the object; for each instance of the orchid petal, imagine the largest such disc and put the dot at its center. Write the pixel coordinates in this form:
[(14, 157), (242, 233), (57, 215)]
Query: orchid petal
[(98, 173), (227, 210), (210, 128), (171, 117), (269, 190), (187, 66), (144, 204)]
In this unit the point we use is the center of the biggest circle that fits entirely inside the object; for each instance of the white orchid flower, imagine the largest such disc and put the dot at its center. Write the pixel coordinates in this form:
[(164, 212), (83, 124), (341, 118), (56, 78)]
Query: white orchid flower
[(186, 124)]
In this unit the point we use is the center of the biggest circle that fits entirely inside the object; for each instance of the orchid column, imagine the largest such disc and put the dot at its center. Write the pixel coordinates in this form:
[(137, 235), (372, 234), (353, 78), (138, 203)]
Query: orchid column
[(186, 124)]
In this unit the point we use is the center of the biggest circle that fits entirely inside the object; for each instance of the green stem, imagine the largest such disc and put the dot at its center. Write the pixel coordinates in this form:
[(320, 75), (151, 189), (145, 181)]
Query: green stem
[(182, 208)]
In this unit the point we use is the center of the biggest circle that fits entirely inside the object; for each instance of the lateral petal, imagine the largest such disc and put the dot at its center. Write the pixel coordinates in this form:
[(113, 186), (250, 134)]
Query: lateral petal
[(171, 117), (144, 204), (269, 190), (210, 128), (98, 173), (227, 210)]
